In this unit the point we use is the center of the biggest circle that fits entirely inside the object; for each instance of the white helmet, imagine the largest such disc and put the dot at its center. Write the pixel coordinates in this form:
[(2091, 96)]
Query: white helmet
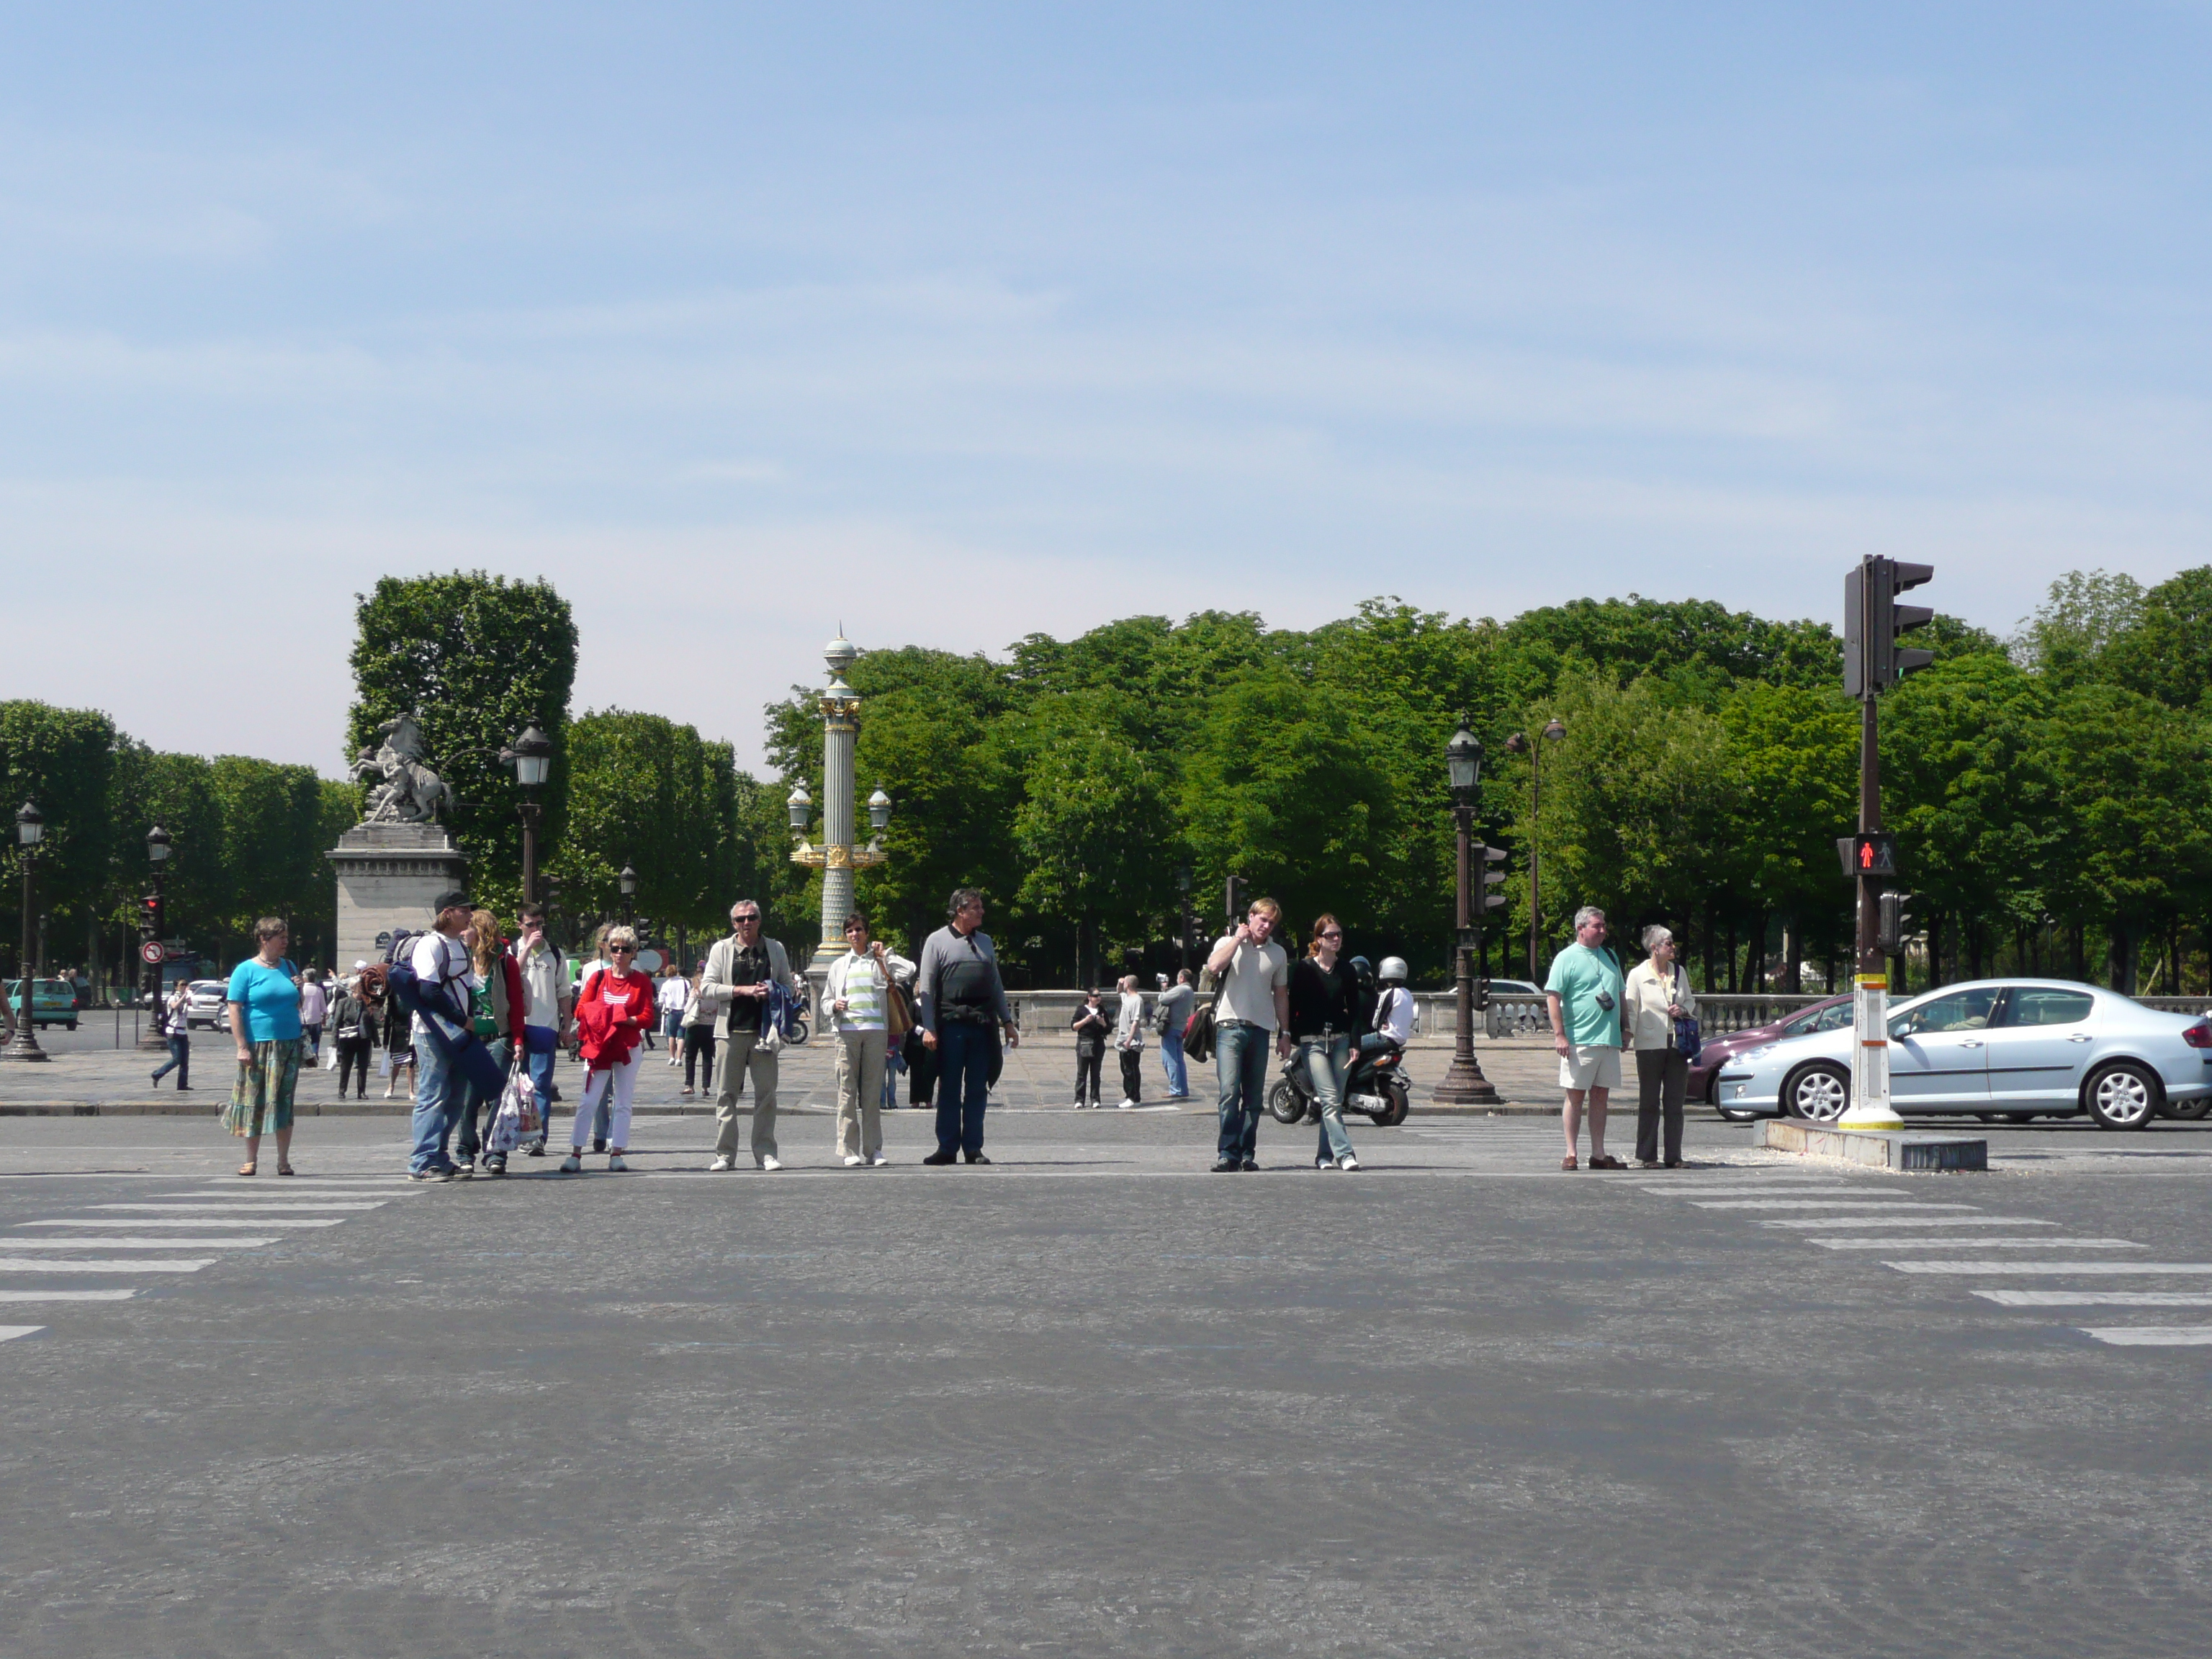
[(1392, 972)]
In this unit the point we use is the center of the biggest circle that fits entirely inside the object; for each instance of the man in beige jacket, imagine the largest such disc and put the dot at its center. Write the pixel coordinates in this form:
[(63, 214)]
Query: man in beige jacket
[(740, 970)]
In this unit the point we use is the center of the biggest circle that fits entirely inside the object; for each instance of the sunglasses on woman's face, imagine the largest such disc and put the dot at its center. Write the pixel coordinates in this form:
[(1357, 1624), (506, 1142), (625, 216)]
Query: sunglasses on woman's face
[(622, 950)]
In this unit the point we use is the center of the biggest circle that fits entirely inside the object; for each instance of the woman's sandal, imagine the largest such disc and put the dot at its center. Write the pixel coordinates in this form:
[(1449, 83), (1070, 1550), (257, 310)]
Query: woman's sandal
[(284, 1170), (1568, 1162), (245, 1169)]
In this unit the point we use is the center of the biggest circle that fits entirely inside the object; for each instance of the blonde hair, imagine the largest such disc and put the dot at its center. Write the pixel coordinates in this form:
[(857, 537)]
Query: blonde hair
[(1267, 908), (483, 929)]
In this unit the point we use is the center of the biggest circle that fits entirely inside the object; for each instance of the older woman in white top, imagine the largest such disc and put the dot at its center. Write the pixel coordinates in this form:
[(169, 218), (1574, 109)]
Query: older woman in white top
[(858, 992), (1657, 993)]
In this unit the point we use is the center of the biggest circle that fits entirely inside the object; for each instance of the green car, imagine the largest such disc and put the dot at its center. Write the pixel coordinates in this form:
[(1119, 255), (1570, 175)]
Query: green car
[(52, 1002)]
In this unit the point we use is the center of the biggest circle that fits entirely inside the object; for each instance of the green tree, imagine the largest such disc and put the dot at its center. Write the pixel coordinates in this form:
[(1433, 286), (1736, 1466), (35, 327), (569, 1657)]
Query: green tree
[(2086, 613), (2167, 653), (63, 759), (474, 659)]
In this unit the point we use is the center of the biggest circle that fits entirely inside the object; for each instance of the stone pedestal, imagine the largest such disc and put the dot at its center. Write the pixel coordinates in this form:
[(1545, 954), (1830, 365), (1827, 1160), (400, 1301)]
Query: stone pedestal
[(388, 874)]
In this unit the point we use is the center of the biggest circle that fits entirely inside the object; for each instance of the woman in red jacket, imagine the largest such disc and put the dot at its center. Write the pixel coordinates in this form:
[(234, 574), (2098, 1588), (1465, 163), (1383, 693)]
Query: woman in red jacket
[(612, 1015)]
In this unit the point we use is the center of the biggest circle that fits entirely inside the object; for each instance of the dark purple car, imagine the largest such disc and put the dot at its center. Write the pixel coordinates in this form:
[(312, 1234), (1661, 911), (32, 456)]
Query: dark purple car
[(1706, 1069)]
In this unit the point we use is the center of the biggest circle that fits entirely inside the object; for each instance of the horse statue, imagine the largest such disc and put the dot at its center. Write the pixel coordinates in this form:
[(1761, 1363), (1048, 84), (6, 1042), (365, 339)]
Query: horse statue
[(402, 790)]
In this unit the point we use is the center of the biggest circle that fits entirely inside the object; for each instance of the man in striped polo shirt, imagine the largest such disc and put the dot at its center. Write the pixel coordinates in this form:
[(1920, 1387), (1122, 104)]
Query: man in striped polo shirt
[(858, 994)]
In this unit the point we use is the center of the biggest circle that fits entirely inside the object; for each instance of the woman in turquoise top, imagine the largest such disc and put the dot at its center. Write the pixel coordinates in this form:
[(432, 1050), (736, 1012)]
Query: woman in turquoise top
[(265, 1022)]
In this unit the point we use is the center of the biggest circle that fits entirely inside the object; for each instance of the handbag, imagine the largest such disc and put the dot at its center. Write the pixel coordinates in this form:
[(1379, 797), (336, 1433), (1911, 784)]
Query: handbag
[(898, 1018), (1689, 1038), (1198, 1035)]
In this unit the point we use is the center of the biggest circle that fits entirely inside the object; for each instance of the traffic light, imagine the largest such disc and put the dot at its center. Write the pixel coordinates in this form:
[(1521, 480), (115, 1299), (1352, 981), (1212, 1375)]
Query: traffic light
[(1234, 892), (149, 916), (1492, 878), (1869, 853), (1890, 933), (1873, 659)]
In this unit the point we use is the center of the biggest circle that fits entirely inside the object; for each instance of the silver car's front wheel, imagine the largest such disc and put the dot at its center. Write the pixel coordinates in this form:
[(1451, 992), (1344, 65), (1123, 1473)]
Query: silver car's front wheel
[(1818, 1094), (2124, 1096)]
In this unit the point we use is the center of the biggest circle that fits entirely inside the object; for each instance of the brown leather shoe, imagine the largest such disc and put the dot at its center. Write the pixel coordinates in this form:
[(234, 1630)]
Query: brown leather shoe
[(1568, 1162), (1608, 1162)]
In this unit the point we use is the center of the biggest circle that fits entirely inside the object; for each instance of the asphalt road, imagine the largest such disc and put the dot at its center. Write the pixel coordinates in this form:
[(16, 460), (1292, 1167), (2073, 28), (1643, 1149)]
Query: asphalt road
[(1093, 1400)]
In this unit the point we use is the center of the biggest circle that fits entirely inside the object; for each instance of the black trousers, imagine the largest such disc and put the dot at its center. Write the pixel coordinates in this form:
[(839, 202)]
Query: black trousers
[(1661, 1077), (353, 1061), (1087, 1066), (1133, 1073), (699, 1053)]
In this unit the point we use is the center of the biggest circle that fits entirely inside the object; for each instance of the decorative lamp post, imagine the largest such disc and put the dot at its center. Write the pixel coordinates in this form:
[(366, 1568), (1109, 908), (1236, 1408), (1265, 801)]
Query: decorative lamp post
[(1521, 743), (627, 880), (530, 755), (158, 849), (837, 857), (1464, 1084), (1182, 917), (30, 830)]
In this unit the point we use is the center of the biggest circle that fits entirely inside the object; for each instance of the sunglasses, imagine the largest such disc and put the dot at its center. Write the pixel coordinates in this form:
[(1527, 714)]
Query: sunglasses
[(742, 920), (622, 949)]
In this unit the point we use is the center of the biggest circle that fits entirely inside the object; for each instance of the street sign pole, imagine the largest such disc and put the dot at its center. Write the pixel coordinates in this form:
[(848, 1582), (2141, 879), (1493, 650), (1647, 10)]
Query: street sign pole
[(1870, 1108)]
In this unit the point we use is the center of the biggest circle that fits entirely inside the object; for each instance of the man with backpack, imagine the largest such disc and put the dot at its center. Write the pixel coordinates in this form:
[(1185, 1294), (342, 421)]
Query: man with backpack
[(444, 979), (1585, 991)]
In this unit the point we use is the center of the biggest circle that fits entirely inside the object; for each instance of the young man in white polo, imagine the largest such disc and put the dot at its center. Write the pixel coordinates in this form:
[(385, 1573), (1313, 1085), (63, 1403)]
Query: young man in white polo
[(1584, 991)]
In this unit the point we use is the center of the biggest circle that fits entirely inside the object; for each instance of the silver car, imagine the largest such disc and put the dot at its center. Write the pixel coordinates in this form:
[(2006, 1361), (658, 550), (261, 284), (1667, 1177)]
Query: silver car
[(206, 1003), (2002, 1047)]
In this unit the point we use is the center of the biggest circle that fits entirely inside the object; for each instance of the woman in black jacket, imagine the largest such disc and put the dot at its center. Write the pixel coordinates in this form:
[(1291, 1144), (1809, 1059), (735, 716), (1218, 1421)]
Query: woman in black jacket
[(1090, 1028), (353, 1038), (1327, 1011)]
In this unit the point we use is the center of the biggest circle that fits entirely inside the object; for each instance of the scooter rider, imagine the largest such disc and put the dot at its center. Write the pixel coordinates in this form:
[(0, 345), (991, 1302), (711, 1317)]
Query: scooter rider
[(1394, 1010)]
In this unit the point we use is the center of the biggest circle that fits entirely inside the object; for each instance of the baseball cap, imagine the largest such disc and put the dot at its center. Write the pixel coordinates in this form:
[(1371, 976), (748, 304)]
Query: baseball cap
[(452, 899)]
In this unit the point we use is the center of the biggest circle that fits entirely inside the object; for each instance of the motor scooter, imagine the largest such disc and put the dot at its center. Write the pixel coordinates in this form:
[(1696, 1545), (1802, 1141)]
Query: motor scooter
[(1374, 1082)]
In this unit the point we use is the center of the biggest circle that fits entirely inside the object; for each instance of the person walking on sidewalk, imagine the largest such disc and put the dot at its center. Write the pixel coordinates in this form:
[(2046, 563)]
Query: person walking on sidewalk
[(495, 1009), (546, 1001), (858, 990), (1175, 1004), (314, 1009), (1327, 1011), (176, 1029), (1129, 1042), (352, 1039), (1584, 991), (740, 971), (444, 981), (1091, 1024), (674, 997), (698, 1038), (613, 1015), (265, 1022), (963, 1013), (1657, 996), (1252, 1012)]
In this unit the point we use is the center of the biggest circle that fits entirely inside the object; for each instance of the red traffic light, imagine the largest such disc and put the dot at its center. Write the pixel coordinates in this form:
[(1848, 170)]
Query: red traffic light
[(1869, 853)]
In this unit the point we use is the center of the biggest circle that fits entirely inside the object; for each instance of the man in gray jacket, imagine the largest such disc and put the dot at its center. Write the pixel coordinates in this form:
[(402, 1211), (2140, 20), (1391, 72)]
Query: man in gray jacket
[(739, 970), (962, 1011)]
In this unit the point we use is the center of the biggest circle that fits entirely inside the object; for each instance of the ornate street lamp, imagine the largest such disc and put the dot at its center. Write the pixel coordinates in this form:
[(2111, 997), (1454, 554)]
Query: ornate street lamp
[(628, 881), (30, 831), (158, 849), (1464, 1084), (1521, 743), (530, 755)]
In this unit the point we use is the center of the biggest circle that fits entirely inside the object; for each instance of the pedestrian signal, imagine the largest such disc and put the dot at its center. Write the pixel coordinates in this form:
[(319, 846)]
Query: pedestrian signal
[(1869, 853)]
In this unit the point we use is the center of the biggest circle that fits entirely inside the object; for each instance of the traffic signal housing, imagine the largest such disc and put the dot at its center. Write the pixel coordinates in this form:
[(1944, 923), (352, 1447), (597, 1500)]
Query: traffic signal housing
[(1890, 931), (1869, 853), (1491, 878), (1873, 659)]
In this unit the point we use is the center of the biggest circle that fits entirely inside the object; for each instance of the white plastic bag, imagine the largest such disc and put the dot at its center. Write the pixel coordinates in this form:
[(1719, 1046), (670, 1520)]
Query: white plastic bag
[(516, 1117)]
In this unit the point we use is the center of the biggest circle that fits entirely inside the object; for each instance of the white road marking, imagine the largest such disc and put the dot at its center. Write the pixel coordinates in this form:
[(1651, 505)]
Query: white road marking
[(1816, 1222), (9, 1332), (2152, 1336), (2137, 1268), (2098, 1299), (292, 1197), (274, 1206), (1979, 1243), (66, 1296), (24, 1264), (1825, 1204), (233, 1244), (264, 1223), (1758, 1188)]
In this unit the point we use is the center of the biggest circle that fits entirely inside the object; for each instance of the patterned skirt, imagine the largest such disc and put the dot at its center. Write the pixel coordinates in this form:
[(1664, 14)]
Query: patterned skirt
[(261, 1099)]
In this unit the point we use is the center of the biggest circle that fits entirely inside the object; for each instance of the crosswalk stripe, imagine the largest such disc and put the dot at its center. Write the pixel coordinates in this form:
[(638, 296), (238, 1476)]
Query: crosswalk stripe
[(1825, 1204), (233, 1244), (1979, 1243), (264, 1224), (9, 1332), (24, 1264), (2137, 1268), (66, 1296), (2098, 1299), (1761, 1189), (1814, 1223), (2152, 1336), (273, 1207)]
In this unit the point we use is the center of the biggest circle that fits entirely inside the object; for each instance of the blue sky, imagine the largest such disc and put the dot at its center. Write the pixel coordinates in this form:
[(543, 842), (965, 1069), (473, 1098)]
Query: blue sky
[(953, 323)]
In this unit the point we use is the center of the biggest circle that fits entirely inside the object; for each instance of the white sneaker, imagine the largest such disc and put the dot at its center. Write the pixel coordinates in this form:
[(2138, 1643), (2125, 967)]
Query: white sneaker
[(615, 1165), (720, 1163), (1126, 1105), (572, 1164), (1324, 1163), (1081, 1102), (879, 1160), (853, 1160), (1347, 1162), (771, 1161)]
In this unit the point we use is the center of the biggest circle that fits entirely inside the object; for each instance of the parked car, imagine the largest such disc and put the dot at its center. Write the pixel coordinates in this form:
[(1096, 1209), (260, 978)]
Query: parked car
[(1715, 1052), (2014, 1049), (53, 1002), (1515, 990), (209, 1004)]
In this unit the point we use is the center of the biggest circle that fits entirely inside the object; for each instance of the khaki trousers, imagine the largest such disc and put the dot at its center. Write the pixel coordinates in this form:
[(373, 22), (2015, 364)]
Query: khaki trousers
[(744, 1058), (860, 1092)]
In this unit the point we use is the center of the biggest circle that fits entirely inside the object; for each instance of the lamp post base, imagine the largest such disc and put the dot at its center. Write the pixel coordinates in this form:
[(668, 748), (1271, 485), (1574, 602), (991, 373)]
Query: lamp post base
[(1464, 1084), (24, 1045)]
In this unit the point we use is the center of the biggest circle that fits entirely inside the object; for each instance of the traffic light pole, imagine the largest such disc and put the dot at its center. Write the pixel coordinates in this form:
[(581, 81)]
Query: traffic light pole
[(1870, 1108), (1464, 1084), (153, 1041)]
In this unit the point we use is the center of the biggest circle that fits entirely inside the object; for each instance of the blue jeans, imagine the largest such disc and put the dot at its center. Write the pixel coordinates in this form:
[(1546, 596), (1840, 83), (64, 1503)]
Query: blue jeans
[(180, 1061), (539, 1044), (438, 1092), (963, 1069), (1240, 1059), (1174, 1063), (1325, 1067)]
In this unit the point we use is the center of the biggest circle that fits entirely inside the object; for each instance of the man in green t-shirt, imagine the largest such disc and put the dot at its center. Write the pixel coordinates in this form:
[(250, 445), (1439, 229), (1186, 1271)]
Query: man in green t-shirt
[(1585, 992)]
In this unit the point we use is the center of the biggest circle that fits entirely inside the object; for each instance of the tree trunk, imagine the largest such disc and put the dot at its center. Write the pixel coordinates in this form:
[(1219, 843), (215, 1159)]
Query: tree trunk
[(1792, 958), (2119, 968), (1735, 985), (1755, 955)]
